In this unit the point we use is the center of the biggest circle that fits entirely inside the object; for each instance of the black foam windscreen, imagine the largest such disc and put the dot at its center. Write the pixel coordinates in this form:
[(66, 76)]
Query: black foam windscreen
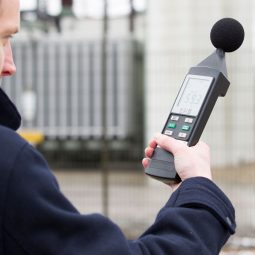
[(227, 34)]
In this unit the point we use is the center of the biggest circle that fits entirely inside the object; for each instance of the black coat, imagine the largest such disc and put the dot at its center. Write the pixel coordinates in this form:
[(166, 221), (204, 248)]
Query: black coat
[(36, 218)]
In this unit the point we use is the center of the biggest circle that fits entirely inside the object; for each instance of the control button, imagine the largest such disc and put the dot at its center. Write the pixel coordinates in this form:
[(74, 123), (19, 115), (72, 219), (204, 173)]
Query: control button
[(168, 132), (175, 118), (171, 125), (188, 120), (186, 128), (182, 135)]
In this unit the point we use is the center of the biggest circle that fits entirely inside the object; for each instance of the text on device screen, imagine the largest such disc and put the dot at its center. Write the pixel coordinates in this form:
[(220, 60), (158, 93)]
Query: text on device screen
[(192, 94)]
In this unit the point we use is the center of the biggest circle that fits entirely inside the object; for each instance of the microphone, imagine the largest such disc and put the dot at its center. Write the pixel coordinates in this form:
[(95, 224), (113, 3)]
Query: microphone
[(197, 96), (227, 34)]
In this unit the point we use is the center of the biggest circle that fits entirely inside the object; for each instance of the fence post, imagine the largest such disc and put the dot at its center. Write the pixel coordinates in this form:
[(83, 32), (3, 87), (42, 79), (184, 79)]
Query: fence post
[(105, 148)]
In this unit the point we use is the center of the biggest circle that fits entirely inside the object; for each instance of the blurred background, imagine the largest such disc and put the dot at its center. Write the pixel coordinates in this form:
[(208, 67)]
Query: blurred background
[(97, 78)]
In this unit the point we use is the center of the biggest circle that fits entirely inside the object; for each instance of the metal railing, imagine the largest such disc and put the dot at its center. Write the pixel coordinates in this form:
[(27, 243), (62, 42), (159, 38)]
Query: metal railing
[(65, 77)]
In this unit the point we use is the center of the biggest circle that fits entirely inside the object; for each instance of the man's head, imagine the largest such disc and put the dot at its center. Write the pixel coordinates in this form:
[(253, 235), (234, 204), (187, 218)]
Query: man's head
[(9, 25)]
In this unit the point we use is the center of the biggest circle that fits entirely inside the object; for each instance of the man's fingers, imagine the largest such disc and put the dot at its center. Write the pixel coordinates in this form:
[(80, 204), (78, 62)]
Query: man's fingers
[(153, 144), (145, 162), (149, 152), (165, 142)]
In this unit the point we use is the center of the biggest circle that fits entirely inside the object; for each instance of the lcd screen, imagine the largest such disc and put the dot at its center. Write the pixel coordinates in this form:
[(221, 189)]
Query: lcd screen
[(192, 95)]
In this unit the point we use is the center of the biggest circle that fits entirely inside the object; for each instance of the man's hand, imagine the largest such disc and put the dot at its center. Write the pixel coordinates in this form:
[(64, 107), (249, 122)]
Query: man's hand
[(189, 161)]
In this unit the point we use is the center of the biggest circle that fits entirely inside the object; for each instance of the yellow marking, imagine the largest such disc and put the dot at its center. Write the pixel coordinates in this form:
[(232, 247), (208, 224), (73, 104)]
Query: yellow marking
[(32, 136)]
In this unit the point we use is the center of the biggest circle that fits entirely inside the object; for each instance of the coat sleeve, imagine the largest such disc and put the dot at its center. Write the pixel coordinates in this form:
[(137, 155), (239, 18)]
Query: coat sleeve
[(39, 220), (197, 219)]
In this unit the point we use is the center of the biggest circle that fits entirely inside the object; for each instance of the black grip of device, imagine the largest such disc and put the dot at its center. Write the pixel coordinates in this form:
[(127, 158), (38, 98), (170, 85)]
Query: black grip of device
[(162, 168)]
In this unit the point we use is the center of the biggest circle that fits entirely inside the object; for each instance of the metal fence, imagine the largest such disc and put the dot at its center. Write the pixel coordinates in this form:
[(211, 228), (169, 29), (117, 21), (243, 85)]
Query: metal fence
[(65, 77)]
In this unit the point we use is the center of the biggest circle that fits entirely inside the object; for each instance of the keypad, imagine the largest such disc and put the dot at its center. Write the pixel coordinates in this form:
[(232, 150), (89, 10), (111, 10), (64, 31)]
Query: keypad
[(179, 126)]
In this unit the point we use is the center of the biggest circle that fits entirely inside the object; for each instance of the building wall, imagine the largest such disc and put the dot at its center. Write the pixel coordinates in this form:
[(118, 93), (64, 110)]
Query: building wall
[(178, 38), (89, 28)]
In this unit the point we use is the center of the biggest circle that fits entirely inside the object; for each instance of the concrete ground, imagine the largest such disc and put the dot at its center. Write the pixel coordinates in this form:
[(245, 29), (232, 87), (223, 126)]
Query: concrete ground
[(134, 199)]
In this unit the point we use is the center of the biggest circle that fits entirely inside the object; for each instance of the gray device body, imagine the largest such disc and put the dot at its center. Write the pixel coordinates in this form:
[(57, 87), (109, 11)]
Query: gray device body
[(197, 96)]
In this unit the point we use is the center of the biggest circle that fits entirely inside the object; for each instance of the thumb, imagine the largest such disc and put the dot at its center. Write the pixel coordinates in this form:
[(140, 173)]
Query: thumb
[(168, 143)]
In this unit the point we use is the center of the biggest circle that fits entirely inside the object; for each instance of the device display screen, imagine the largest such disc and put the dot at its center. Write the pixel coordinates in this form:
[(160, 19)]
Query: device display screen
[(192, 95)]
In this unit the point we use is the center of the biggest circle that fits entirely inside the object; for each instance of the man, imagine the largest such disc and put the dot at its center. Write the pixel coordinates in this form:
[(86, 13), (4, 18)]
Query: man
[(36, 218)]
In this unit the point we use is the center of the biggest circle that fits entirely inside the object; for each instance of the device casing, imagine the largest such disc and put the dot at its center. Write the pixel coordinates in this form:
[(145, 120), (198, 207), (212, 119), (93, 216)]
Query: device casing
[(161, 166), (218, 88)]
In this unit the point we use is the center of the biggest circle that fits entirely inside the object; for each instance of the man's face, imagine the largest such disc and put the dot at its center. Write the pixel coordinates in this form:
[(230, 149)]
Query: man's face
[(9, 25)]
